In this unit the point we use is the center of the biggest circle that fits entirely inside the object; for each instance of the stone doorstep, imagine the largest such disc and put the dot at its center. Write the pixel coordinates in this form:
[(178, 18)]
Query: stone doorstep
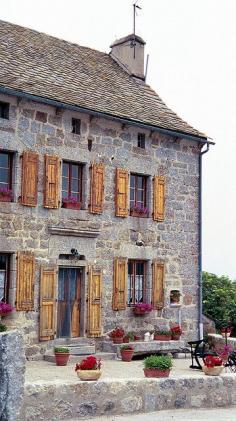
[(83, 400), (78, 358)]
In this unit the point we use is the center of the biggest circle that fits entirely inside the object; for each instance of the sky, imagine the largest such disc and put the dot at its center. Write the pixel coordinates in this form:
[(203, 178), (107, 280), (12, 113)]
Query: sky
[(192, 65)]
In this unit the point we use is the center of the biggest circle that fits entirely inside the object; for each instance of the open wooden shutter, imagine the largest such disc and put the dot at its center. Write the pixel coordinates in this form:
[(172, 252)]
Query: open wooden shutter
[(48, 303), (94, 328), (122, 190), (25, 281), (52, 177), (119, 284), (158, 198), (29, 183), (157, 285), (97, 188)]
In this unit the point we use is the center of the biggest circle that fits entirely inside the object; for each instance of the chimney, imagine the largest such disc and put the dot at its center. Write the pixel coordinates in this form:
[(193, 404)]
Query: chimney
[(128, 52)]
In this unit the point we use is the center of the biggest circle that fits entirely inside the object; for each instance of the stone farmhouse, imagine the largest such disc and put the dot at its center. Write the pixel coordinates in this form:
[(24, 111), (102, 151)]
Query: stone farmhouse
[(100, 191)]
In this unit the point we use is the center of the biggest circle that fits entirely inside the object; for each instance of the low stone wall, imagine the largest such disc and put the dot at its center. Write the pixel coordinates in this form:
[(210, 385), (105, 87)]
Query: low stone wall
[(151, 347), (63, 401), (12, 372), (218, 340)]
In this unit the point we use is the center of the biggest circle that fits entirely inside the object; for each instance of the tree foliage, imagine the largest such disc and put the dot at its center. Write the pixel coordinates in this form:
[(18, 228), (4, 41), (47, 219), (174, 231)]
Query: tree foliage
[(219, 299)]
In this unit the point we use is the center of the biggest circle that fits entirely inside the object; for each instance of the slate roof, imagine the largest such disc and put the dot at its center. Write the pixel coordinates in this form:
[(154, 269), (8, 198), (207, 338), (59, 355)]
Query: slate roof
[(42, 65)]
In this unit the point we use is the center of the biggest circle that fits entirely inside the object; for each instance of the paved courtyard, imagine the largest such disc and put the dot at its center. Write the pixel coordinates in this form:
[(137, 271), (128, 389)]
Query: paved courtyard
[(42, 370)]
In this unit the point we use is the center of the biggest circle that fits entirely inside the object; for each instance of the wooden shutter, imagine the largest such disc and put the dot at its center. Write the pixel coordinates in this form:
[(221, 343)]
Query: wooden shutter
[(97, 188), (25, 281), (94, 328), (47, 303), (52, 176), (157, 285), (119, 284), (122, 189), (29, 182), (158, 198)]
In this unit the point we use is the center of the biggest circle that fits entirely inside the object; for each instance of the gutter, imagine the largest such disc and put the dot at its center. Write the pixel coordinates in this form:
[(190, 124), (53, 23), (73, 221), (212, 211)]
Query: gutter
[(200, 306), (13, 92)]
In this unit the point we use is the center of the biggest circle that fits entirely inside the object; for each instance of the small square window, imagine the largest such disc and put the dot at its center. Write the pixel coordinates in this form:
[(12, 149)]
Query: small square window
[(4, 110), (76, 123), (141, 140)]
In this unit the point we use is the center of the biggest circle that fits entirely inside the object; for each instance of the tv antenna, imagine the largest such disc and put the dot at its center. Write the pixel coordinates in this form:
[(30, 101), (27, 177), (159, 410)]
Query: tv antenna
[(135, 7)]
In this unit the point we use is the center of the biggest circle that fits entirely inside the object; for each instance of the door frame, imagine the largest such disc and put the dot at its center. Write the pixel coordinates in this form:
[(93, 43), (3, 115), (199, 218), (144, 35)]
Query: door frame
[(82, 295)]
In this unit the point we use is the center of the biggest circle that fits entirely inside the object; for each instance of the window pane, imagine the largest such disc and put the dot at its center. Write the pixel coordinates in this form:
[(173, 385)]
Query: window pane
[(4, 163), (131, 194), (74, 185), (65, 169), (65, 184), (140, 196), (140, 182), (4, 175), (74, 171), (132, 181)]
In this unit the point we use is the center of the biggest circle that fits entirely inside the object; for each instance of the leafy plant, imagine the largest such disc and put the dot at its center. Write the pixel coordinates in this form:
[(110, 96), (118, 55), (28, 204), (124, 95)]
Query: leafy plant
[(143, 307), (163, 332), (3, 328), (126, 347), (162, 362), (176, 330), (118, 332), (139, 209), (89, 363), (61, 349), (4, 191), (130, 335), (70, 199)]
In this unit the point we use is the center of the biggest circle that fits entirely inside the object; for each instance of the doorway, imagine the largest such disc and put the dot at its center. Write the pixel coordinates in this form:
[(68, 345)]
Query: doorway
[(69, 302)]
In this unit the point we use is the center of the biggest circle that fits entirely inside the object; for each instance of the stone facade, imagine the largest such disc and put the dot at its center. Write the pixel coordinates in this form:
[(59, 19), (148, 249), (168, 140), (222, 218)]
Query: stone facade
[(45, 129)]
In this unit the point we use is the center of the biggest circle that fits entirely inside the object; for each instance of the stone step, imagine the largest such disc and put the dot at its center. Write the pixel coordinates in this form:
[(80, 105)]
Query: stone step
[(73, 341), (104, 356), (82, 349)]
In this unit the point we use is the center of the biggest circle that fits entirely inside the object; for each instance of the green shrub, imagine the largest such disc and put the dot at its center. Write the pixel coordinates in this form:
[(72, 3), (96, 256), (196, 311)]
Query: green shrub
[(163, 362), (3, 328), (126, 347), (61, 349), (130, 335)]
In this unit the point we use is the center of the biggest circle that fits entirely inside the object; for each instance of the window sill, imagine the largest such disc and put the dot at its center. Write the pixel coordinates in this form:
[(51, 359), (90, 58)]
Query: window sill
[(75, 206), (5, 199), (138, 215)]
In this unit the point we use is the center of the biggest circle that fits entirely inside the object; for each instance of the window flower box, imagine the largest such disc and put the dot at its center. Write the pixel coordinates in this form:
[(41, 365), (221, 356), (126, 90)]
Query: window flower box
[(5, 195), (71, 202), (139, 211), (141, 309)]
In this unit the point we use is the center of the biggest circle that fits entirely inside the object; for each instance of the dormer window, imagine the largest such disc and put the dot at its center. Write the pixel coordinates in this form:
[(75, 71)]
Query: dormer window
[(4, 110), (141, 140), (76, 123)]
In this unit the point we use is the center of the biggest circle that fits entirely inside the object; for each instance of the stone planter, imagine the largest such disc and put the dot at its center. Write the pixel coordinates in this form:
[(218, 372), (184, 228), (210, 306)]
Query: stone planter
[(212, 371), (127, 354), (89, 375), (68, 205), (62, 358), (5, 198), (162, 337), (156, 372), (117, 340)]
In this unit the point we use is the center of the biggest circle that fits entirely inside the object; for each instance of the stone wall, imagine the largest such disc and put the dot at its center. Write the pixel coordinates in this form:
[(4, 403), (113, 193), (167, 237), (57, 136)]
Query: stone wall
[(12, 371), (78, 400), (175, 241)]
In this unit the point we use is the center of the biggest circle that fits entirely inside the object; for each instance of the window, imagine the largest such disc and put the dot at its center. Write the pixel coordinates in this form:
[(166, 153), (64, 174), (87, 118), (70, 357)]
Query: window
[(141, 140), (138, 193), (136, 281), (76, 125), (4, 110), (5, 172), (72, 181), (4, 276)]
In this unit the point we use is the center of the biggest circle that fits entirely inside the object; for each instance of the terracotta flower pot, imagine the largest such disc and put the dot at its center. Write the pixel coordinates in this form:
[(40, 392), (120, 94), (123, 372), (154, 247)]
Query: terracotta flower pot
[(89, 375), (62, 358), (118, 340), (68, 205), (212, 371), (127, 354), (126, 340), (162, 337), (156, 372), (137, 337), (175, 337)]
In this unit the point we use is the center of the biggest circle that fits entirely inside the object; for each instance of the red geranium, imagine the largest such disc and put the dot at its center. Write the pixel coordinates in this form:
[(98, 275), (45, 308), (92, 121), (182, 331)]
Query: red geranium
[(118, 332), (176, 330), (89, 363), (5, 308)]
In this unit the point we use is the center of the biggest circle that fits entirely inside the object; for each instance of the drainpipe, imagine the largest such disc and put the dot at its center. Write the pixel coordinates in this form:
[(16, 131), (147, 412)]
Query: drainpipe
[(200, 242)]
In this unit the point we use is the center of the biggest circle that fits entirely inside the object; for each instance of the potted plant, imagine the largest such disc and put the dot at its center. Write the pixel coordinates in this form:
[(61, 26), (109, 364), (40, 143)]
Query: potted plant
[(137, 337), (5, 309), (129, 337), (213, 365), (140, 309), (5, 194), (71, 202), (62, 355), (157, 366), (117, 335), (89, 368), (162, 335), (127, 352), (139, 210), (3, 328), (175, 296), (176, 332), (226, 331)]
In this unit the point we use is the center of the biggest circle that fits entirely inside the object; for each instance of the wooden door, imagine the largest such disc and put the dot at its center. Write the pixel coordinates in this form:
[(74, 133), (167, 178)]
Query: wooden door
[(69, 302)]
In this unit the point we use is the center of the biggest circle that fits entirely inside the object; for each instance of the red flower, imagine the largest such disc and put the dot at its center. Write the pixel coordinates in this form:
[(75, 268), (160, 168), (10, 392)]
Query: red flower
[(176, 330), (118, 332), (89, 363)]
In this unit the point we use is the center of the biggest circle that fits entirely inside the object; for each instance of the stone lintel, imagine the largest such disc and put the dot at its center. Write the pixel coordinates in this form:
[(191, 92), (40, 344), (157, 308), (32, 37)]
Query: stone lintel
[(73, 232)]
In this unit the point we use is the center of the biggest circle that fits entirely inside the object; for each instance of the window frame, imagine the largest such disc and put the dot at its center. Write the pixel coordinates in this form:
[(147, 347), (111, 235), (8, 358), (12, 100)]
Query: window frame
[(4, 110), (76, 125), (10, 167), (131, 281), (134, 201), (79, 180), (141, 143), (7, 278)]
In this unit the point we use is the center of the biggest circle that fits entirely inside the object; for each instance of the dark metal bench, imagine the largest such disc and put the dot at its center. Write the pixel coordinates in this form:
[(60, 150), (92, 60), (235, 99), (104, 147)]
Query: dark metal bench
[(199, 349)]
